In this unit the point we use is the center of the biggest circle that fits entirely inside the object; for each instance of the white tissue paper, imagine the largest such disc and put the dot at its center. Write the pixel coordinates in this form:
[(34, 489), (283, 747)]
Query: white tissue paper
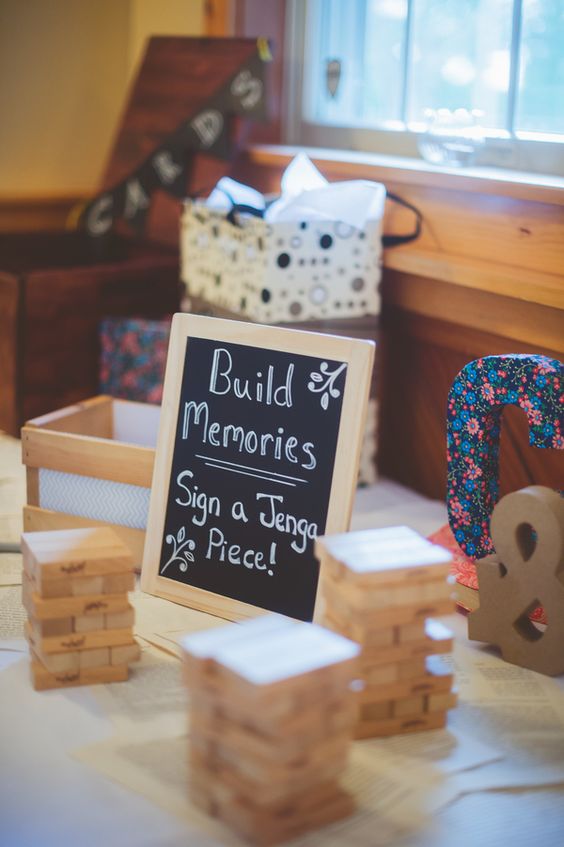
[(306, 195), (228, 192)]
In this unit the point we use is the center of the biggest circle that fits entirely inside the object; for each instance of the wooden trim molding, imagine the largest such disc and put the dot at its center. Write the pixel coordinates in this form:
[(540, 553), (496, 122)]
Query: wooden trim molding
[(538, 326), (218, 18), (36, 213), (480, 275)]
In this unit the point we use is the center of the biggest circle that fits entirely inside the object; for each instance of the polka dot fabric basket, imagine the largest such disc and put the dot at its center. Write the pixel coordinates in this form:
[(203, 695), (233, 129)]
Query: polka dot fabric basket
[(284, 272)]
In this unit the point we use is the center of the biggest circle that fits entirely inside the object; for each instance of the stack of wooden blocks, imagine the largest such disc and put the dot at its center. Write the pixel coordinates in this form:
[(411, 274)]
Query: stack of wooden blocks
[(80, 622), (381, 588), (272, 713)]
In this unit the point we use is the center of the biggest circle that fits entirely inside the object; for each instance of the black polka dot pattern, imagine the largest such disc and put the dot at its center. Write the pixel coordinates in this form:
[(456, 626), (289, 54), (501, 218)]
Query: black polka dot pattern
[(290, 271)]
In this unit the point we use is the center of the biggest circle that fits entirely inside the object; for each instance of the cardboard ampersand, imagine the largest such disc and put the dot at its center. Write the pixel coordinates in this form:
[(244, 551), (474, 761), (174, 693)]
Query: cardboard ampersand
[(527, 570)]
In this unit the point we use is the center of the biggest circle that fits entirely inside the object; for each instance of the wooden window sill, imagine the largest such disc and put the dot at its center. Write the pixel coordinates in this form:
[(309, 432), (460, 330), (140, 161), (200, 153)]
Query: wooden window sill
[(344, 164)]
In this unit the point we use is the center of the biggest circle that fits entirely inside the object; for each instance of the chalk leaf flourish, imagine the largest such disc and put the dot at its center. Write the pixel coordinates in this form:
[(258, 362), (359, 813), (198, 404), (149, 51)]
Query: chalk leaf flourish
[(182, 550), (323, 382)]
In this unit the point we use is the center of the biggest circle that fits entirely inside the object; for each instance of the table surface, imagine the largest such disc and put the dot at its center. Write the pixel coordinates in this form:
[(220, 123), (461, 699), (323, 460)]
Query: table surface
[(52, 794)]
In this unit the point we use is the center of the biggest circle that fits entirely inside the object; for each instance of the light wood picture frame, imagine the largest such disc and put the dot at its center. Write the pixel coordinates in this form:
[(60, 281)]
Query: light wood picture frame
[(259, 376)]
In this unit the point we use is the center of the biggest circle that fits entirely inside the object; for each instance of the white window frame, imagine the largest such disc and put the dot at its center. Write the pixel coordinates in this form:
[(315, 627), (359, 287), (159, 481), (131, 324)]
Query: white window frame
[(522, 151)]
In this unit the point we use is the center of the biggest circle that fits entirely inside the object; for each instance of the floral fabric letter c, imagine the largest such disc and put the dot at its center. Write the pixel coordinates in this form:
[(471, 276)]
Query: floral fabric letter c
[(475, 406)]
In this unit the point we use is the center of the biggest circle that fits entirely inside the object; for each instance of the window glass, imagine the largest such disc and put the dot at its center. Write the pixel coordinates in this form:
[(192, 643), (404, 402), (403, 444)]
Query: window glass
[(540, 104), (383, 54), (460, 58), (354, 57)]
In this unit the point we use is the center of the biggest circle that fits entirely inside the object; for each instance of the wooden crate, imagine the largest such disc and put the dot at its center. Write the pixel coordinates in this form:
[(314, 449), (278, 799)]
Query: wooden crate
[(91, 464)]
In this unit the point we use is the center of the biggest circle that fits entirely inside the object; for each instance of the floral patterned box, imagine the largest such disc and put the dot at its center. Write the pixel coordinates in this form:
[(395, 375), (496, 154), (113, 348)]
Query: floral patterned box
[(133, 358)]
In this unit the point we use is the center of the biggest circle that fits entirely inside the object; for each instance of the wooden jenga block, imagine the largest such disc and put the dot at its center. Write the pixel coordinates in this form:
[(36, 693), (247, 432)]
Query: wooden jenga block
[(89, 623), (400, 726), (120, 620), (364, 602), (368, 630), (382, 557), (68, 660), (42, 679), (96, 658), (52, 588), (117, 583), (62, 607), (441, 702), (57, 627), (410, 632), (80, 641), (300, 726), (328, 758), (211, 782), (269, 660), (381, 674), (412, 668), (81, 586), (393, 672), (409, 613), (436, 680), (95, 551), (125, 654), (437, 639), (408, 706), (56, 663), (67, 586), (276, 822), (311, 728), (76, 641), (286, 711), (225, 766), (262, 754), (387, 607), (365, 636), (376, 711)]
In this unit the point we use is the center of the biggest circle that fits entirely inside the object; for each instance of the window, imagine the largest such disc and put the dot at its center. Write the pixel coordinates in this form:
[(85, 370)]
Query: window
[(373, 70)]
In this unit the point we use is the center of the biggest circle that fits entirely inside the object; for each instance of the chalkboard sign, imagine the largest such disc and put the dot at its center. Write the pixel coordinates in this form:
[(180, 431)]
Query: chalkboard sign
[(257, 455)]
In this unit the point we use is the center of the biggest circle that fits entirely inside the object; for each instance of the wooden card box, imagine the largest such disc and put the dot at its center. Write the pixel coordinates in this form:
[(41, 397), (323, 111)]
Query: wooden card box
[(91, 464), (55, 288)]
